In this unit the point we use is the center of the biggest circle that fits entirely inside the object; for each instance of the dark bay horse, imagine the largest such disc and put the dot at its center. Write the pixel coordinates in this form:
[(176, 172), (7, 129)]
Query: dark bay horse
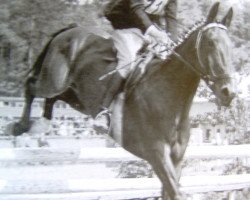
[(154, 118), (155, 121)]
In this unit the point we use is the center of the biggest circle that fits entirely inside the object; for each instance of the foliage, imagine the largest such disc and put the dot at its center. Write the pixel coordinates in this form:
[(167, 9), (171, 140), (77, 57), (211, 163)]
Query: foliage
[(236, 168), (235, 119), (135, 169)]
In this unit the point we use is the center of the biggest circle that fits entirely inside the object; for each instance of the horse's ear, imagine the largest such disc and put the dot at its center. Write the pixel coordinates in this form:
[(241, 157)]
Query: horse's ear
[(213, 12), (228, 18)]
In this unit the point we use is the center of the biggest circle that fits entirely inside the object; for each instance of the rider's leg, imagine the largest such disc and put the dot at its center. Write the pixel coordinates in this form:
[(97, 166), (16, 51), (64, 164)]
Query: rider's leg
[(115, 85), (127, 42)]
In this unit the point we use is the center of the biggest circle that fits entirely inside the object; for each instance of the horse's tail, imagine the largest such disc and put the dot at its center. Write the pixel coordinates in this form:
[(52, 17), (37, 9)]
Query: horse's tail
[(36, 68)]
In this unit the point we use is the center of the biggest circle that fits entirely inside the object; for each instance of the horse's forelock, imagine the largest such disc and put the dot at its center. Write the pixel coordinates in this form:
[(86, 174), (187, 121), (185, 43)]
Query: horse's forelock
[(224, 45)]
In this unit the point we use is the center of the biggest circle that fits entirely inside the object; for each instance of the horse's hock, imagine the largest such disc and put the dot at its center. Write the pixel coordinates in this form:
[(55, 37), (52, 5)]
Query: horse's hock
[(52, 173)]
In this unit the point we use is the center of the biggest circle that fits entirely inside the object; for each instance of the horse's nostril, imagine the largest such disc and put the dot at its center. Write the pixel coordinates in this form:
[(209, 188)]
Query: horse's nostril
[(225, 92)]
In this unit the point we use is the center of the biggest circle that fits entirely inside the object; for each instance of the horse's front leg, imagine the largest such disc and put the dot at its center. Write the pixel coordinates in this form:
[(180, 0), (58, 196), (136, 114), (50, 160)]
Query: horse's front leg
[(178, 150), (161, 161), (44, 124), (180, 146)]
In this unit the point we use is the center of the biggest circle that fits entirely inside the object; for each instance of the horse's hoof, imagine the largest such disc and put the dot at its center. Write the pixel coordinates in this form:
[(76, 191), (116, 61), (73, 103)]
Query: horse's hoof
[(16, 129), (102, 123), (40, 126)]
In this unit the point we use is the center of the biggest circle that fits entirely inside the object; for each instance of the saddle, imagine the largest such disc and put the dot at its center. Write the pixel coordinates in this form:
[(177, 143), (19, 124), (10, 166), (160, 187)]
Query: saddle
[(153, 52)]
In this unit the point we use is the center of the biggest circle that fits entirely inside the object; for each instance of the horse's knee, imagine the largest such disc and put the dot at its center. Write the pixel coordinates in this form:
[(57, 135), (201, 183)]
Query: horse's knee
[(178, 150)]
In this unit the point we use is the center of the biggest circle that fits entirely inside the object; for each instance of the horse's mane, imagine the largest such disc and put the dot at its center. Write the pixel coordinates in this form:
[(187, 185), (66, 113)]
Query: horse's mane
[(184, 36), (38, 63)]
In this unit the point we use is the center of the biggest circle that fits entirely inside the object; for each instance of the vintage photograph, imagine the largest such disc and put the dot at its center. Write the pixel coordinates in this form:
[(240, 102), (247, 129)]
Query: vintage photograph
[(124, 100)]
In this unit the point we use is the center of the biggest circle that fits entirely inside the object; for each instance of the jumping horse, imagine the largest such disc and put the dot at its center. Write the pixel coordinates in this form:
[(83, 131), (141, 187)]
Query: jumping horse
[(154, 119)]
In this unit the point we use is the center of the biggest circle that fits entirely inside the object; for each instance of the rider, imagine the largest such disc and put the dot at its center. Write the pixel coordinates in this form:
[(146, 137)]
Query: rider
[(133, 21)]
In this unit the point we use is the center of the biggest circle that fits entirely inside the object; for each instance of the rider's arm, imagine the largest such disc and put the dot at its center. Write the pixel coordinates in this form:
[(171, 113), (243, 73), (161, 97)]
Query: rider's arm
[(171, 18), (127, 14), (145, 24), (142, 19)]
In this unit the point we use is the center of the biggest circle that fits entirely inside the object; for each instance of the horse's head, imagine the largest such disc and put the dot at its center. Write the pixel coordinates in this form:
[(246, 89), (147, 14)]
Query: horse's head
[(213, 49)]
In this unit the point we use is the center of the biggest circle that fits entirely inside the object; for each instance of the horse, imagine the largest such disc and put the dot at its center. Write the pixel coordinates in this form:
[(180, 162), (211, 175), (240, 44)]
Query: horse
[(154, 117)]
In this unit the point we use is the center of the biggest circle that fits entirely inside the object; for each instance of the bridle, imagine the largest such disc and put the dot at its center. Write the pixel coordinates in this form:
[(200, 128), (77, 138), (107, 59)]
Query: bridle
[(210, 79)]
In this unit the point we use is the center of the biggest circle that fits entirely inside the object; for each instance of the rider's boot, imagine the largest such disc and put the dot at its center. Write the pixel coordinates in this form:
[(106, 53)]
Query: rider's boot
[(102, 120), (114, 87)]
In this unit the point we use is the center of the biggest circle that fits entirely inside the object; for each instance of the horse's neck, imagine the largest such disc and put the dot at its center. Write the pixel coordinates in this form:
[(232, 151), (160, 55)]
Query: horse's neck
[(185, 59), (187, 51), (170, 81), (177, 73)]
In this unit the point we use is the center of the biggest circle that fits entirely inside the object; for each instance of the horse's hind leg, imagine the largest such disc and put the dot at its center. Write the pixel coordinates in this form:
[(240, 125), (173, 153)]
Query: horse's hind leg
[(48, 108), (42, 125), (24, 123)]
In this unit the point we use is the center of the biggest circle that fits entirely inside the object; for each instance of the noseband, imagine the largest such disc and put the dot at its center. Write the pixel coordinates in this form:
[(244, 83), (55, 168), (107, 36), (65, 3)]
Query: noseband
[(208, 78)]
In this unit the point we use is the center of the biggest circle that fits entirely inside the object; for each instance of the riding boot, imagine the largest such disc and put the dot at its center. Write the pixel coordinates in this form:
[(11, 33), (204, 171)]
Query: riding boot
[(115, 85), (102, 120)]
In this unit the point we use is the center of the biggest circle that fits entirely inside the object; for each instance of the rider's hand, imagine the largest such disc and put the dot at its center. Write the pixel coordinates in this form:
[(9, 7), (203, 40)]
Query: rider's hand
[(158, 35)]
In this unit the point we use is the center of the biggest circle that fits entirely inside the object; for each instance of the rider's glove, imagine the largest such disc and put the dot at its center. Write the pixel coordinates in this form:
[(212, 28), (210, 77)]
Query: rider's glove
[(158, 35)]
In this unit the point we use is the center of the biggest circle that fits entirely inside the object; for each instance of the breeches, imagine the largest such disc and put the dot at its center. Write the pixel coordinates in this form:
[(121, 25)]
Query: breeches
[(127, 42)]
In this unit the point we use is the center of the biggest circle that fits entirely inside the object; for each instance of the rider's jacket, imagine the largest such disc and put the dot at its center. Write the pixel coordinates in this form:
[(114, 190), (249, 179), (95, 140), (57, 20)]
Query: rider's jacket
[(142, 13)]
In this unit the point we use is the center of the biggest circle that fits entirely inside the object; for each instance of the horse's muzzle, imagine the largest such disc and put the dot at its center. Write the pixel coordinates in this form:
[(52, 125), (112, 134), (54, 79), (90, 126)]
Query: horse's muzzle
[(226, 96)]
